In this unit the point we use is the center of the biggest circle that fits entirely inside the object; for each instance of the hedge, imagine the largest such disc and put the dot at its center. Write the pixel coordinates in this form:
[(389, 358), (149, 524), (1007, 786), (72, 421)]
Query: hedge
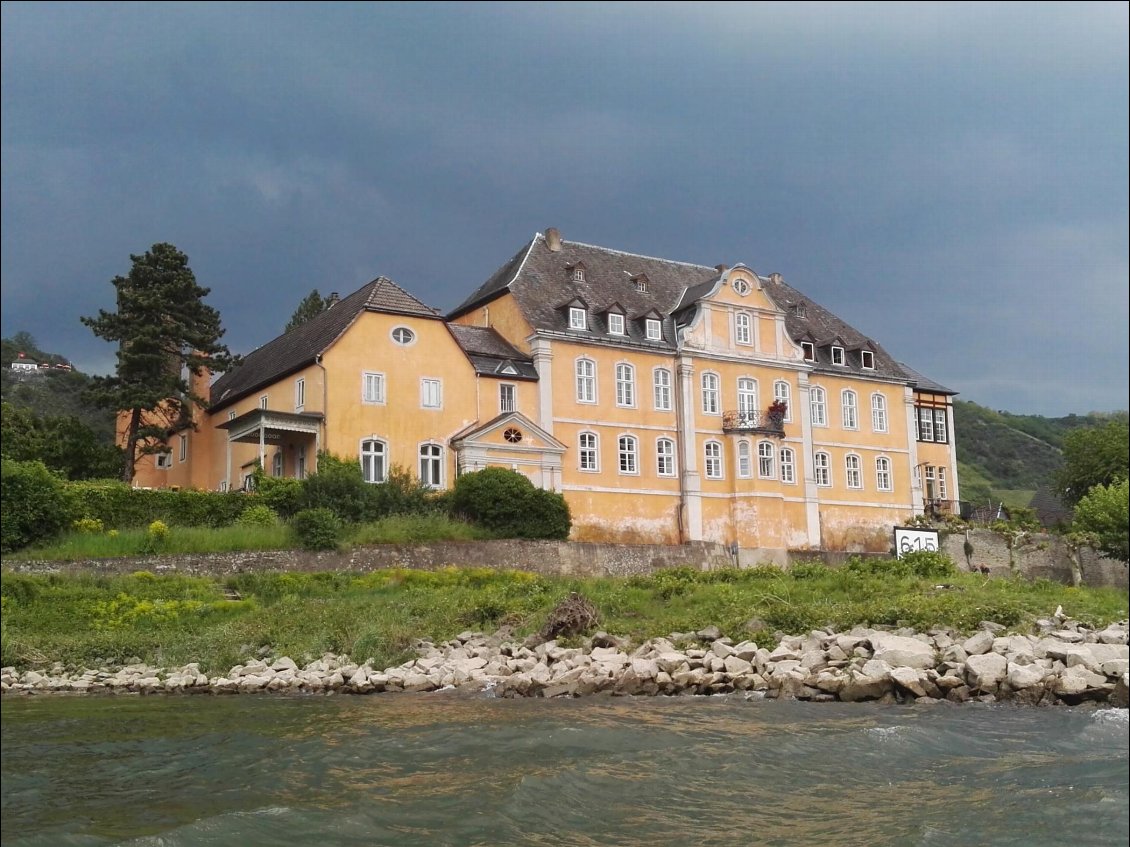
[(119, 506)]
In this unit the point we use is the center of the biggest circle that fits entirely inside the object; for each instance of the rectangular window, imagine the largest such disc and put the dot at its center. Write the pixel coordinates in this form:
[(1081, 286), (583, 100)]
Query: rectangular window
[(883, 474), (277, 463), (183, 447), (942, 483), (745, 464), (431, 465), (849, 409), (223, 485), (854, 472), (662, 378), (788, 465), (742, 331), (822, 469), (765, 460), (629, 455), (665, 457), (654, 330), (164, 461), (878, 413), (818, 402), (431, 393), (931, 483), (625, 385), (588, 452), (507, 398), (263, 402), (867, 359), (713, 452), (372, 387), (586, 381), (710, 390), (577, 318), (616, 324), (231, 415), (299, 394), (809, 351), (837, 355), (940, 425), (925, 424)]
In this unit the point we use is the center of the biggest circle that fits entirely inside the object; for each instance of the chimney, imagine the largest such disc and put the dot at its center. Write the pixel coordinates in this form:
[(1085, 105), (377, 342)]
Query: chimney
[(776, 278), (553, 240), (721, 268), (332, 300)]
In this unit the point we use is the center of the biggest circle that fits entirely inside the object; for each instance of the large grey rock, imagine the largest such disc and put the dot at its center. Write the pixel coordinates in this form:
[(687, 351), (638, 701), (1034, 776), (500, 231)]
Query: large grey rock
[(1013, 645), (909, 679), (858, 685), (1024, 676), (898, 651), (736, 667), (977, 644), (985, 671)]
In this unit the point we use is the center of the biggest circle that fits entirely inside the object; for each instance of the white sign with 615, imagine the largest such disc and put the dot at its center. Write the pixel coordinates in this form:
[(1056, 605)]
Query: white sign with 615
[(912, 540)]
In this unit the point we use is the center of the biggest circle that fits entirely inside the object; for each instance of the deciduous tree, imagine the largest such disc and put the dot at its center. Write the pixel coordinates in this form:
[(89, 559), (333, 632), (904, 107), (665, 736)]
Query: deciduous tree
[(1104, 515), (1093, 456), (166, 335)]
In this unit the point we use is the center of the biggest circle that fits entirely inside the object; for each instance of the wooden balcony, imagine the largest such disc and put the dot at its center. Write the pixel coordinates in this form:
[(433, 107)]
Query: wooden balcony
[(753, 422)]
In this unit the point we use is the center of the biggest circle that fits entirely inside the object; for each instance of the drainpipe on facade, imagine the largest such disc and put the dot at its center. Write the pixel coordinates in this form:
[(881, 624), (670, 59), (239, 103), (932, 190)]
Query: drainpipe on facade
[(323, 430)]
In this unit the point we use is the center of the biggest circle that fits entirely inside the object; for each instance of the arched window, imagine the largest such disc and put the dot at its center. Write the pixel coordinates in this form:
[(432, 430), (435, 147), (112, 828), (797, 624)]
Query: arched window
[(431, 465), (822, 469), (883, 474), (788, 465), (713, 454), (588, 453), (629, 454), (878, 412), (586, 381), (765, 460), (277, 463), (854, 473), (711, 403), (625, 385), (747, 399), (745, 463), (374, 460), (662, 379), (849, 409), (818, 402), (665, 457), (743, 332), (782, 393)]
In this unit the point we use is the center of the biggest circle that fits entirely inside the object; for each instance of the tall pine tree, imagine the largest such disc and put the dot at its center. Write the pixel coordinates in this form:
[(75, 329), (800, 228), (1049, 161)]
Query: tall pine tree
[(166, 334), (311, 306)]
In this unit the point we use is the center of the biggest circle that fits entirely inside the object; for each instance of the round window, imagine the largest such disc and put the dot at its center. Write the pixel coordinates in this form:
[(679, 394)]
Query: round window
[(741, 286), (513, 435), (403, 335)]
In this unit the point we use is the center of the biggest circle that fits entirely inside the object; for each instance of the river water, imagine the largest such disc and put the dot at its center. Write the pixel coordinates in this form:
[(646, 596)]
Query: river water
[(449, 769)]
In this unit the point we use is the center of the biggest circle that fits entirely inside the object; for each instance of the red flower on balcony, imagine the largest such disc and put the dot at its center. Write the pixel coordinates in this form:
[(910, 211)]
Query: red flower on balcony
[(775, 414)]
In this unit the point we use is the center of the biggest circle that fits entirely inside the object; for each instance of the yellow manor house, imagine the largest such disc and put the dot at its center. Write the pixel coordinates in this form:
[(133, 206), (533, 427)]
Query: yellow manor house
[(669, 402)]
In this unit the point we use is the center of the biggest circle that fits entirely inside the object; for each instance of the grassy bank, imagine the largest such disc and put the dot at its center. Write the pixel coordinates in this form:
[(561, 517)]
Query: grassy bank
[(94, 621), (397, 529)]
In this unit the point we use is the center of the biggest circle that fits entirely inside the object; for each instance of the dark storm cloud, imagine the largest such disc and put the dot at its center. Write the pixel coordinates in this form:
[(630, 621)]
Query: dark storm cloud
[(951, 179)]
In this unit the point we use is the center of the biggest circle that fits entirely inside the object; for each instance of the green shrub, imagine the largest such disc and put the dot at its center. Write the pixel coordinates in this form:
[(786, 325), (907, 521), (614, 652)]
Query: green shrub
[(401, 494), (930, 564), (88, 526), (282, 494), (808, 570), (337, 486), (507, 504), (35, 504), (117, 504), (317, 529), (258, 515)]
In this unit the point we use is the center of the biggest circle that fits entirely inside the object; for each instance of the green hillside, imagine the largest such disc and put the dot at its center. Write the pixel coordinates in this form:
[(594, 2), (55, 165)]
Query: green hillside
[(1006, 457)]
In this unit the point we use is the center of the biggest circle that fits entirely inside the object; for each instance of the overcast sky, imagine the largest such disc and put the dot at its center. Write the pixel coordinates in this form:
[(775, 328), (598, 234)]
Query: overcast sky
[(950, 179)]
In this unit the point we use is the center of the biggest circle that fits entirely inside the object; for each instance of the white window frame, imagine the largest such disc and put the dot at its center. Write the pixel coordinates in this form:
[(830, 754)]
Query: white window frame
[(507, 397), (376, 381), (431, 392), (231, 415), (849, 409), (712, 460), (223, 485), (163, 461), (615, 323), (182, 451), (783, 393), (299, 394), (747, 395), (818, 405), (808, 351), (661, 382), (653, 329), (578, 319), (743, 328), (940, 434), (745, 460), (926, 424), (430, 467), (839, 359), (628, 455), (378, 468), (625, 385), (878, 412), (665, 457), (786, 462), (578, 274), (766, 460), (867, 360), (853, 471), (588, 453), (277, 463), (585, 380), (883, 479), (943, 491), (711, 396), (822, 469), (264, 401), (403, 336)]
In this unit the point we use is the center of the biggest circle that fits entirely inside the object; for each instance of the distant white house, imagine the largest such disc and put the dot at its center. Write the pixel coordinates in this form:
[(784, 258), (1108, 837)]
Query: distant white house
[(23, 363)]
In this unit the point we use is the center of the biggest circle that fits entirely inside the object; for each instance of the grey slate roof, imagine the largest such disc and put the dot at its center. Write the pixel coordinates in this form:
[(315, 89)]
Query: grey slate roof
[(924, 383), (490, 353), (298, 348)]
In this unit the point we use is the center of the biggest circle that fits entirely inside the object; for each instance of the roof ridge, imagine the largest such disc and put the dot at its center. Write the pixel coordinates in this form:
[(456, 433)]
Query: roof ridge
[(636, 255)]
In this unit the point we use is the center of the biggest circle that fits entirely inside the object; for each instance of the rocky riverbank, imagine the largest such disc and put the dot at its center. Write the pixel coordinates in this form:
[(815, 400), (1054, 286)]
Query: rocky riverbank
[(1061, 661)]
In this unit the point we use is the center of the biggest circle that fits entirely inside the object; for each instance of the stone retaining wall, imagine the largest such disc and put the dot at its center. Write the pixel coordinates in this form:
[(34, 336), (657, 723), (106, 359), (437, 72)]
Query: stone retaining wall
[(1034, 556)]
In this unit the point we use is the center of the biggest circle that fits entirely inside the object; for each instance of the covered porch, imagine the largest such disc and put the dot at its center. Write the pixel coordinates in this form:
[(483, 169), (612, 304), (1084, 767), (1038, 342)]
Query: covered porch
[(298, 434)]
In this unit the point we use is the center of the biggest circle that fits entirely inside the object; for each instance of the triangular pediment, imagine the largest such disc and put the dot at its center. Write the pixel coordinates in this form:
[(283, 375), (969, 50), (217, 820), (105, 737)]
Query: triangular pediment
[(500, 432)]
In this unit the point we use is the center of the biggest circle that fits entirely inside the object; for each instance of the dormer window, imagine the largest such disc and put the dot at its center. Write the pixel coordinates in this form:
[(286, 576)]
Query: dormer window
[(577, 272), (800, 310), (615, 324), (838, 356), (809, 350), (867, 359), (654, 329), (640, 283), (577, 318)]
